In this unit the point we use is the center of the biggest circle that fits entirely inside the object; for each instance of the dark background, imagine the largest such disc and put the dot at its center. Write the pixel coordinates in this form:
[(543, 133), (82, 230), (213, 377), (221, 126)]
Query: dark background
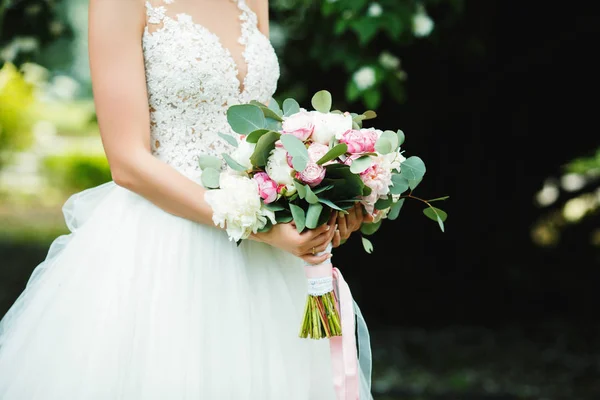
[(496, 104)]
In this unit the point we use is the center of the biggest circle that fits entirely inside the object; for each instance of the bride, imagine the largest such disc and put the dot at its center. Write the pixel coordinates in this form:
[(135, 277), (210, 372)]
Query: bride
[(146, 298)]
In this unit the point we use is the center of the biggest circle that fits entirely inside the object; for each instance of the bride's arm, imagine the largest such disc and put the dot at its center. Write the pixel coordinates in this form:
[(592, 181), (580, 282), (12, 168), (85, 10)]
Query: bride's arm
[(261, 9), (119, 86)]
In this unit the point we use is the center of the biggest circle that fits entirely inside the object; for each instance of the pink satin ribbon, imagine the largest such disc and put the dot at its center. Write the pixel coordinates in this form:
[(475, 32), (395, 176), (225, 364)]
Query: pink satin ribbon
[(344, 356)]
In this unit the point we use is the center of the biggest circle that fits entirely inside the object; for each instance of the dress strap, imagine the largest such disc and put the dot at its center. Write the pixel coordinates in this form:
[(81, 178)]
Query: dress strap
[(156, 14)]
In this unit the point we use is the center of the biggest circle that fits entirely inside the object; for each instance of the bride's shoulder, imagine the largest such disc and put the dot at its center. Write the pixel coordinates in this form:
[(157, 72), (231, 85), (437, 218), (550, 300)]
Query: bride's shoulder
[(261, 9)]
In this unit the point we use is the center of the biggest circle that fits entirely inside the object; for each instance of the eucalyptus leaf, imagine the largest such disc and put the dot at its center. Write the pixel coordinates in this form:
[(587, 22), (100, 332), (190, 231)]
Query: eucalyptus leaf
[(382, 204), (274, 105), (322, 189), (274, 207), (361, 164), (299, 217), (392, 137), (245, 118), (400, 184), (208, 161), (296, 148), (413, 183), (312, 215), (229, 139), (300, 189), (370, 228), (437, 215), (272, 125), (232, 163), (333, 153), (310, 196), (413, 168), (395, 209), (263, 148), (401, 137), (267, 227), (283, 217), (210, 178), (290, 107), (321, 101), (369, 114), (367, 245), (331, 205), (383, 145), (254, 136), (267, 112)]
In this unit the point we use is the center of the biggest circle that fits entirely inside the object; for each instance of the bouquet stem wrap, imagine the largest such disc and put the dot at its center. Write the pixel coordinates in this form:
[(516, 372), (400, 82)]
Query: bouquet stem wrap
[(321, 313)]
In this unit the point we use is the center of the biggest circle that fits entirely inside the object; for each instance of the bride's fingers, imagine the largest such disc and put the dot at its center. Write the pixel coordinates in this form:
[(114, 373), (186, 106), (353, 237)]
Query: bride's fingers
[(324, 238), (337, 240), (309, 258)]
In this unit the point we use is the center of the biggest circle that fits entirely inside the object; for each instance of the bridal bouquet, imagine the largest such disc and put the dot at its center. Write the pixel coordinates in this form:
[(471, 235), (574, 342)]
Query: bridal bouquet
[(291, 164)]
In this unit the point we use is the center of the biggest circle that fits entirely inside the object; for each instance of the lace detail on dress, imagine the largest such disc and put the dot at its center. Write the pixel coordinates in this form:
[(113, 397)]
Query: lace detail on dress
[(192, 79)]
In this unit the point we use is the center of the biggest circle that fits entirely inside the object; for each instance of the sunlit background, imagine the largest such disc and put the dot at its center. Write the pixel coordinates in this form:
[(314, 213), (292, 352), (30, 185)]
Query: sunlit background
[(491, 94)]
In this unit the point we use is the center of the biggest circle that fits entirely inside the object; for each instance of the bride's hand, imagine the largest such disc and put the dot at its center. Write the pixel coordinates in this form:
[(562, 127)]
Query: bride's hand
[(351, 222), (303, 245)]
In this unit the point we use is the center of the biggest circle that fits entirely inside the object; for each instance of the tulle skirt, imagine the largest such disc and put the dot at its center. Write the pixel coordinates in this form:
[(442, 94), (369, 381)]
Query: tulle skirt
[(139, 304)]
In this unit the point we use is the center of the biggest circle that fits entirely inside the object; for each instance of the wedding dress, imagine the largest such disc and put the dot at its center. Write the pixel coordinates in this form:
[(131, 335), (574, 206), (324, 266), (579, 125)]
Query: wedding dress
[(138, 304)]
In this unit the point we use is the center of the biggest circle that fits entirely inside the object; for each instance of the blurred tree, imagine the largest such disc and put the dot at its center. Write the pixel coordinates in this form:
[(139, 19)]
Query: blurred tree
[(358, 37)]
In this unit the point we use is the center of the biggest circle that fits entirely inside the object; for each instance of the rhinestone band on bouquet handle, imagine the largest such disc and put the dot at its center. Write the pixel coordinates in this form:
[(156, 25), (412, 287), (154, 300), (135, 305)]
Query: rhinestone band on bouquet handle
[(294, 165)]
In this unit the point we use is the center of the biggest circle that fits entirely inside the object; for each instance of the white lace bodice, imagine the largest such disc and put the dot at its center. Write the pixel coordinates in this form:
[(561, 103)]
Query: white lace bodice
[(192, 78)]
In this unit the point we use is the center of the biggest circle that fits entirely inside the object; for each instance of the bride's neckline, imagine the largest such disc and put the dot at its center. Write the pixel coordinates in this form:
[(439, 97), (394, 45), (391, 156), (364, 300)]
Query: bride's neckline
[(242, 37)]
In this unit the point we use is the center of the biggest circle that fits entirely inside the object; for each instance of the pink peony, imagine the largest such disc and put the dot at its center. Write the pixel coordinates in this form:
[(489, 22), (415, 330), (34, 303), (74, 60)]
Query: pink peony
[(313, 174), (379, 178), (300, 125), (316, 151), (360, 141), (267, 188)]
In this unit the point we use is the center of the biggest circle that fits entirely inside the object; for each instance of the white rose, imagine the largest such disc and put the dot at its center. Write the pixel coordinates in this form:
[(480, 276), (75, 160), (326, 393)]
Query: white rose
[(236, 205), (330, 125), (278, 168), (242, 153)]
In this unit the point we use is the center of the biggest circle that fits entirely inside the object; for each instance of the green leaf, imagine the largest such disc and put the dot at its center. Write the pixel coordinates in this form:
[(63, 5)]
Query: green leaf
[(300, 189), (322, 189), (401, 137), (312, 215), (267, 112), (208, 161), (395, 209), (352, 92), (283, 217), (274, 207), (267, 227), (272, 124), (366, 29), (413, 183), (372, 97), (437, 215), (382, 204), (370, 228), (263, 148), (210, 178), (229, 139), (254, 136), (400, 184), (369, 114), (296, 148), (321, 101), (334, 153), (387, 142), (245, 118), (330, 204), (290, 107), (274, 105), (347, 185), (366, 191), (439, 199), (310, 196), (368, 246), (413, 168), (360, 164), (232, 163), (299, 217)]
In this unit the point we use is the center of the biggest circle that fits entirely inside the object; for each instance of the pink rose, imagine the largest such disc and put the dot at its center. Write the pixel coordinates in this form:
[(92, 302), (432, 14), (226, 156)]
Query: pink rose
[(313, 174), (360, 141), (300, 125), (267, 188), (316, 151)]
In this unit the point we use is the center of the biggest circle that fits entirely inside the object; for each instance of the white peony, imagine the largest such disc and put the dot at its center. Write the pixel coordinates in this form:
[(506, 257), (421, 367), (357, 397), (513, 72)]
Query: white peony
[(330, 125), (364, 78), (278, 168), (242, 153), (236, 205)]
